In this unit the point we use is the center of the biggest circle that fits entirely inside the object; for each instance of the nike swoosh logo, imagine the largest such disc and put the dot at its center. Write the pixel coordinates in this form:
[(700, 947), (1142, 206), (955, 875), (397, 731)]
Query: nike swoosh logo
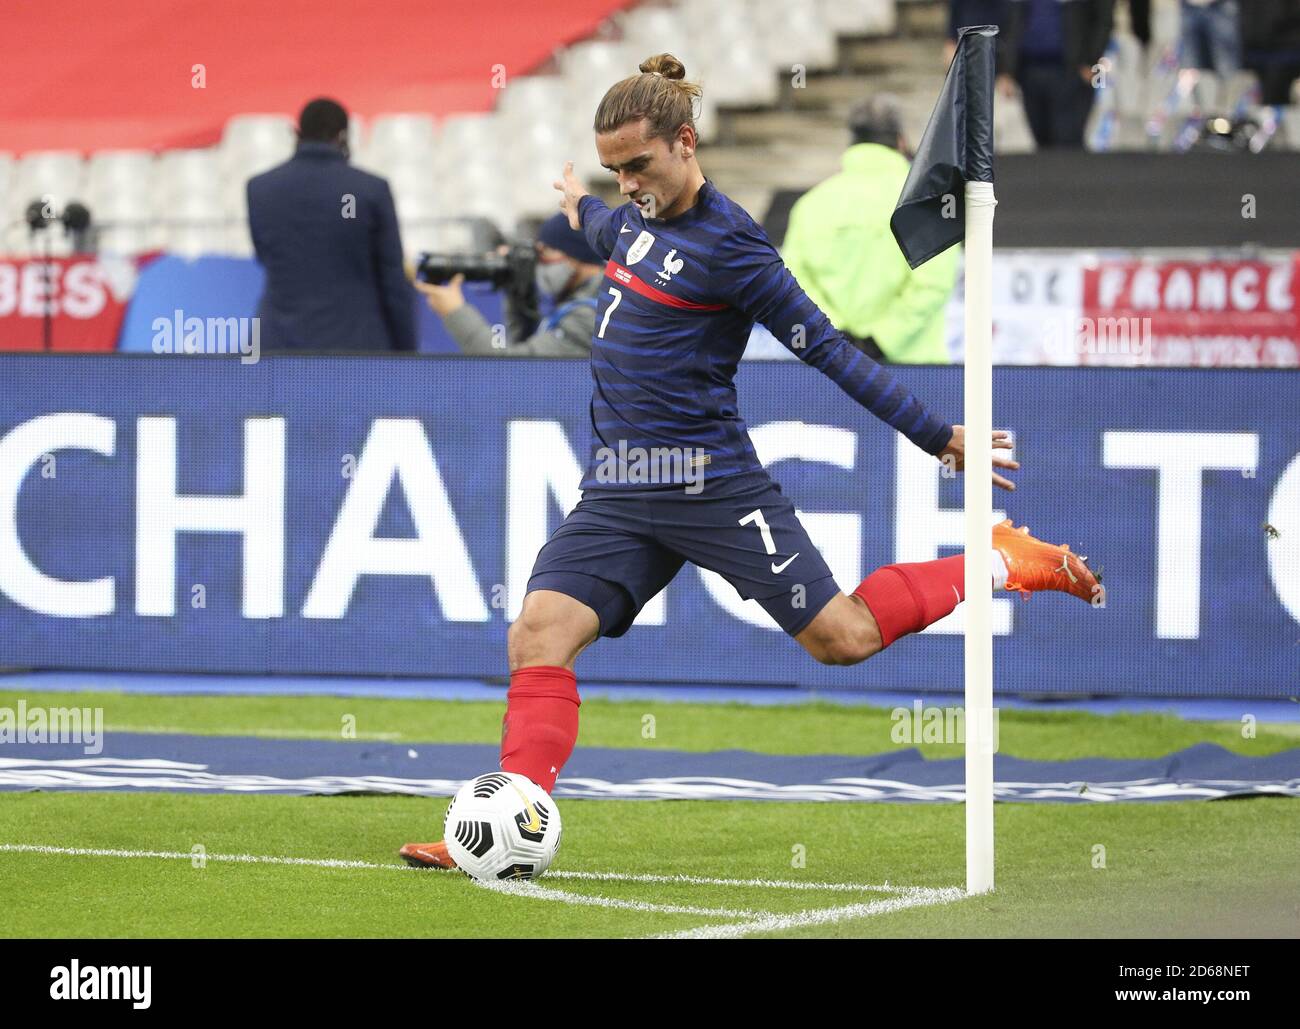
[(534, 823), (777, 569), (623, 230)]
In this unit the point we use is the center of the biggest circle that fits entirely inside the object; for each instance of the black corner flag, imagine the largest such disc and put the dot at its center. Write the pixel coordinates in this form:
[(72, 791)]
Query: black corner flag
[(957, 148)]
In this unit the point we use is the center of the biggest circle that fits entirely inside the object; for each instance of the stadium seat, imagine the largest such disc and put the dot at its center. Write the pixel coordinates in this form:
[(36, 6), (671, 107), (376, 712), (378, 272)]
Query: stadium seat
[(589, 69), (467, 139), (651, 30), (120, 181), (10, 208), (252, 143), (356, 133), (532, 96), (401, 138), (191, 207), (739, 69), (859, 17), (121, 193), (59, 174), (795, 33), (415, 192)]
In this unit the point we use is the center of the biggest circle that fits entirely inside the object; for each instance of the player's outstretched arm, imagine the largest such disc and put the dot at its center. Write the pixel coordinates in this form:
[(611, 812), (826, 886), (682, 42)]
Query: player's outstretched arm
[(586, 213), (750, 275)]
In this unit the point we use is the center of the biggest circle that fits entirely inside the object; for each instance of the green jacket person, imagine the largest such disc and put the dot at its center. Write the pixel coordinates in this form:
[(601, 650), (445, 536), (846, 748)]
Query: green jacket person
[(839, 247)]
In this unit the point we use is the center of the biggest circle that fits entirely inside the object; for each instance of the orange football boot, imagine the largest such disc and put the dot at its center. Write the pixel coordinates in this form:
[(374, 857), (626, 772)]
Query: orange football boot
[(427, 855), (1033, 565)]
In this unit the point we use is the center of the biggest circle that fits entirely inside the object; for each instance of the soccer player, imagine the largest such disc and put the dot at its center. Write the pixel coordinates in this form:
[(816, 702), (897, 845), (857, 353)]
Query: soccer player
[(688, 273)]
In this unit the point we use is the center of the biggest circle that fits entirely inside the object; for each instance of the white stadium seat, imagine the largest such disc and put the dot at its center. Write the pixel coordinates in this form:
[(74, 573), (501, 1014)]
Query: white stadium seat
[(795, 34), (653, 30), (120, 186), (252, 144), (589, 70), (402, 137), (10, 206), (860, 17), (191, 208), (59, 174), (737, 68)]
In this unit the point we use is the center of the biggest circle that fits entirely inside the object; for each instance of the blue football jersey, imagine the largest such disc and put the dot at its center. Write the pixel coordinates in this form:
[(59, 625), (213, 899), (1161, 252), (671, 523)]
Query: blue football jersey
[(676, 307)]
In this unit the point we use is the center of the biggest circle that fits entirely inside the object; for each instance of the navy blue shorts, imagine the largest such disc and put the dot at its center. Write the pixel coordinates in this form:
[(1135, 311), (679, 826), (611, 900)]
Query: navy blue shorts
[(619, 547)]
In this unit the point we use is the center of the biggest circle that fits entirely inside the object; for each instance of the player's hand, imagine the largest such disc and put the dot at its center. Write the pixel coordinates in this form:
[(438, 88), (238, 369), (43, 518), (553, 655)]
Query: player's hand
[(573, 192), (443, 299), (954, 454)]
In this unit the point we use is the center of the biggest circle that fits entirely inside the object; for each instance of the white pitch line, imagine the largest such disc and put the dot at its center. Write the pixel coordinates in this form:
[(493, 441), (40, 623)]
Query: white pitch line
[(699, 880), (919, 897), (631, 877), (532, 891), (306, 734), (758, 921), (185, 855)]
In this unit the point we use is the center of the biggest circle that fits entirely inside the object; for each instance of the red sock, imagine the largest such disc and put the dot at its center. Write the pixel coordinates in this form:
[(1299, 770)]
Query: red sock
[(540, 726), (907, 597)]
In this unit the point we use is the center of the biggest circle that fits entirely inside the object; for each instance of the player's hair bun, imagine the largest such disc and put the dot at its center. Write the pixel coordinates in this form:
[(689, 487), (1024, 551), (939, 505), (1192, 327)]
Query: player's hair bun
[(661, 95), (663, 64)]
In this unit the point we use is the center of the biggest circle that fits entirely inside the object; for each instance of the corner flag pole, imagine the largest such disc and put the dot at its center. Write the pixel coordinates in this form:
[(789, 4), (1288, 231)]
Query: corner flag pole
[(978, 486), (948, 197)]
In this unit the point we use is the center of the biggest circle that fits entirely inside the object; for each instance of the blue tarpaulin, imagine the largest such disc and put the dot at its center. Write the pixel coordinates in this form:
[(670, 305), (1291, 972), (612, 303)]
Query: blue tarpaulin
[(221, 764)]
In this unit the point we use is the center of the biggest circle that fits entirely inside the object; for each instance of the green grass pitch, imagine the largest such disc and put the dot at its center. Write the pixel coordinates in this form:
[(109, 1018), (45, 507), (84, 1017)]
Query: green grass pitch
[(646, 868)]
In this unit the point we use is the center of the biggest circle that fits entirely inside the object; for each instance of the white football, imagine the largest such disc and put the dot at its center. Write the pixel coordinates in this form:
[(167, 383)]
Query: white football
[(502, 826)]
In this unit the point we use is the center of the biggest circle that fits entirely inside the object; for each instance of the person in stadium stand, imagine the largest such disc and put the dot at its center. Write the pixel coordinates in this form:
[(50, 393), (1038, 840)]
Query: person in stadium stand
[(689, 273), (327, 235), (962, 13), (1210, 36), (840, 248), (1270, 35), (1048, 50), (568, 272)]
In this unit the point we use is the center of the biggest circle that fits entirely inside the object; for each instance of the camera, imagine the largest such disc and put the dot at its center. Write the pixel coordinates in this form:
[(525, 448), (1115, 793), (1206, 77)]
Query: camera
[(501, 271), (512, 272)]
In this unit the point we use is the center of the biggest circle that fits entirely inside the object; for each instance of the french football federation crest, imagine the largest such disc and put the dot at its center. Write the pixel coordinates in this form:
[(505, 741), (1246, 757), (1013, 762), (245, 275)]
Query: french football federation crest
[(672, 264), (639, 248)]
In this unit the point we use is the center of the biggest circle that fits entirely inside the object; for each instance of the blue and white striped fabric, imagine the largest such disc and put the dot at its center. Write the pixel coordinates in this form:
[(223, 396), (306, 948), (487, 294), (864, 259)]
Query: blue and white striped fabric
[(215, 764)]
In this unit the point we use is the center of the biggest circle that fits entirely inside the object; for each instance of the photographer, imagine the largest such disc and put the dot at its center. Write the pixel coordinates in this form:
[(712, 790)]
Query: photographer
[(567, 271)]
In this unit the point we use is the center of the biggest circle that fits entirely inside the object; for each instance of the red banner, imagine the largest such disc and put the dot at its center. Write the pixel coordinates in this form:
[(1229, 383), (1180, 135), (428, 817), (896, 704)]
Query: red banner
[(1193, 313), (86, 298)]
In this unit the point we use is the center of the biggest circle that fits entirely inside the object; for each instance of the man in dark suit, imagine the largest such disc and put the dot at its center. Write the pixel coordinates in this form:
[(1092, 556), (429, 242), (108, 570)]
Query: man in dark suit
[(1049, 49), (327, 235)]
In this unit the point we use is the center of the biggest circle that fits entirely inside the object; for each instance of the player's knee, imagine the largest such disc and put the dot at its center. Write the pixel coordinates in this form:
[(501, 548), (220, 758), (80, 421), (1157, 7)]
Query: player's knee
[(850, 649), (848, 645), (526, 641), (550, 630)]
